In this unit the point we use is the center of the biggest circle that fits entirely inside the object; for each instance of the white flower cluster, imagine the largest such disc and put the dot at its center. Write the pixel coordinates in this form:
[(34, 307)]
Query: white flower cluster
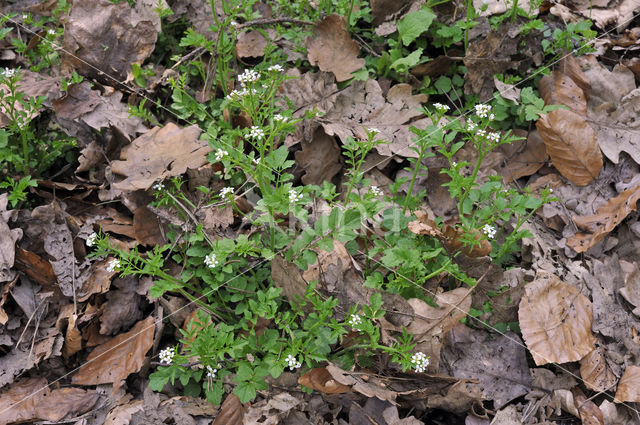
[(373, 130), (158, 186), (294, 196), (256, 132), (211, 260), (355, 320), (248, 76), (275, 68), (220, 153), (226, 192), (440, 107), (482, 111), (375, 191), (167, 355), (211, 372), (489, 230), (280, 118), (239, 94), (113, 265), (51, 32), (495, 136), (293, 362), (420, 361), (7, 73), (91, 240), (481, 133), (471, 125)]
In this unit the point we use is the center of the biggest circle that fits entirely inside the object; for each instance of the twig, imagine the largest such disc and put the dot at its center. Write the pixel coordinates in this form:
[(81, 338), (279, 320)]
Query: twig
[(270, 21)]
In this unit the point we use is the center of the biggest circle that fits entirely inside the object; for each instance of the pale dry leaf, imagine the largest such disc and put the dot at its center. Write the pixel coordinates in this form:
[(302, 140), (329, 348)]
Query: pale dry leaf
[(371, 388), (123, 306), (523, 158), (431, 323), (320, 158), (287, 276), (80, 99), (631, 290), (595, 372), (250, 44), (114, 360), (507, 91), (390, 415), (629, 386), (31, 399), (362, 105), (321, 380), (588, 411), (98, 280), (381, 10), (90, 156), (555, 319), (121, 414), (459, 398), (607, 218), (73, 338), (231, 412), (111, 112), (105, 37), (331, 48), (159, 154), (149, 229), (271, 411), (8, 239)]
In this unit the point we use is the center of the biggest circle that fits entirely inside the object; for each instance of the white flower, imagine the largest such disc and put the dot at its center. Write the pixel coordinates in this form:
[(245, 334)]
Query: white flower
[(454, 164), (91, 240), (51, 32), (481, 133), (167, 355), (471, 125), (373, 130), (550, 190), (294, 196), (113, 265), (354, 321), (256, 132), (293, 362), (248, 76), (211, 261), (275, 68), (375, 191), (491, 117), (226, 191), (280, 118), (238, 94), (7, 73), (420, 361), (440, 107), (211, 372), (256, 161), (234, 24), (482, 110), (489, 230), (25, 16), (158, 186), (221, 154), (495, 136)]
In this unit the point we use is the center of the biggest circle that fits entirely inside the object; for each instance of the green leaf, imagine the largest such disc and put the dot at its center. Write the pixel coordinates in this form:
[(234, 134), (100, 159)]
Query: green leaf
[(403, 64), (414, 24), (245, 391)]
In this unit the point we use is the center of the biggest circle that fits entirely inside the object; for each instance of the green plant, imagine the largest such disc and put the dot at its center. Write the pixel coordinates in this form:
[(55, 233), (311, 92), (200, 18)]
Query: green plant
[(17, 189)]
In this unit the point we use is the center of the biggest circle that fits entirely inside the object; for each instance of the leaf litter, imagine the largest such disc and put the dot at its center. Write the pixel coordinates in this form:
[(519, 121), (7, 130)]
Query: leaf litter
[(60, 310)]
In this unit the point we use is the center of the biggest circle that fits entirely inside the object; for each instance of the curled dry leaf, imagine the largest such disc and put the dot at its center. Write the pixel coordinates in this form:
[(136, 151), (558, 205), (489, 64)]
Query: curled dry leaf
[(331, 48), (595, 372), (31, 399), (158, 154), (570, 141), (113, 361), (371, 388), (231, 412), (321, 380), (320, 158), (601, 224), (555, 319), (629, 386)]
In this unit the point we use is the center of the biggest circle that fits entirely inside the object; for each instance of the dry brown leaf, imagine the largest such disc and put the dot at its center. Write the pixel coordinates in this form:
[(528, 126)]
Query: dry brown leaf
[(250, 45), (431, 323), (121, 415), (109, 37), (331, 48), (36, 268), (271, 411), (572, 145), (79, 100), (631, 290), (113, 361), (37, 401), (231, 412), (523, 158), (588, 411), (362, 105), (629, 386), (601, 224), (555, 319), (98, 281), (383, 9), (73, 338), (32, 85), (321, 380), (570, 141), (595, 371), (370, 388), (159, 154), (111, 112), (460, 397), (8, 238), (452, 241), (287, 276), (149, 228), (320, 158), (122, 308)]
